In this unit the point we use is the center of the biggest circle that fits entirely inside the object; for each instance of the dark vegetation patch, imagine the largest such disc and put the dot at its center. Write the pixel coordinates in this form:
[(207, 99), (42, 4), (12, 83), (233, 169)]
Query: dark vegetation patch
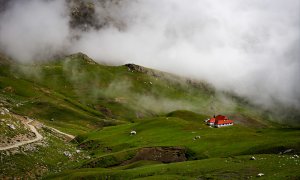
[(89, 145), (146, 154), (110, 160)]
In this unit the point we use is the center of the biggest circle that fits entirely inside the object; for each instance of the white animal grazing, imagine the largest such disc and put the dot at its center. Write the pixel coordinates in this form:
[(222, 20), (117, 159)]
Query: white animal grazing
[(133, 133), (260, 174)]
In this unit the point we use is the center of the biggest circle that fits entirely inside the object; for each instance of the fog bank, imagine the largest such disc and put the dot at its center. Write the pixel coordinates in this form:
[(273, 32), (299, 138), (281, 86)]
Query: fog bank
[(250, 47)]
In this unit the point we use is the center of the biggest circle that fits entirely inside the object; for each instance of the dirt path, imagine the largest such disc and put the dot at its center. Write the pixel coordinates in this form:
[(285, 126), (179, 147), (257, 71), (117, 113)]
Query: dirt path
[(34, 130), (37, 138), (69, 136)]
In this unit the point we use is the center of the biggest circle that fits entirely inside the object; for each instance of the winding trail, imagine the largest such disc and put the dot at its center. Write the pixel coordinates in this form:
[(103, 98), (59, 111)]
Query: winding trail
[(34, 130), (37, 138), (62, 133)]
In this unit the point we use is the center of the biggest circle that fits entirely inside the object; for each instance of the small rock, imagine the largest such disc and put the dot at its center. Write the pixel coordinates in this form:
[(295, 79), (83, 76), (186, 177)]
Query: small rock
[(29, 119), (67, 153), (288, 151), (11, 126)]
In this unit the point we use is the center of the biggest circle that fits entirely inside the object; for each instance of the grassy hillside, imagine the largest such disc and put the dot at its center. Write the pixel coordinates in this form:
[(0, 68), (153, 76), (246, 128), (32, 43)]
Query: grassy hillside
[(273, 167), (166, 131), (101, 105), (124, 93), (33, 161), (218, 153)]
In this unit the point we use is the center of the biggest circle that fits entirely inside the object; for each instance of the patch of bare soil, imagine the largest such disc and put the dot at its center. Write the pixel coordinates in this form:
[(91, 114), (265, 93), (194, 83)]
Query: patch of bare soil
[(161, 154), (9, 89), (6, 141)]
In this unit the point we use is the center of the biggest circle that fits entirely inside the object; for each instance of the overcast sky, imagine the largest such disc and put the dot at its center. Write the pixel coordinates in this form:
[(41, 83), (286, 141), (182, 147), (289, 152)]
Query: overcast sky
[(251, 47)]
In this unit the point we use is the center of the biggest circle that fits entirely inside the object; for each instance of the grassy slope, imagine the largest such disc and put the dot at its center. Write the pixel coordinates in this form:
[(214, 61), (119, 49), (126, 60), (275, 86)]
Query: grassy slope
[(214, 142), (273, 166), (221, 152), (120, 93), (34, 161), (76, 85), (78, 96), (31, 98), (6, 131)]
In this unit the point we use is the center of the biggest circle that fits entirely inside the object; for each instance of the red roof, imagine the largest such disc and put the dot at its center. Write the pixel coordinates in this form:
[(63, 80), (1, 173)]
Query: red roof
[(224, 122), (211, 120), (220, 117)]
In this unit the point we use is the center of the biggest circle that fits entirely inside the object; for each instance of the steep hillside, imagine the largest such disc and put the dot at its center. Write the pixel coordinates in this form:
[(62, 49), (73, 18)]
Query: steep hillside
[(77, 83)]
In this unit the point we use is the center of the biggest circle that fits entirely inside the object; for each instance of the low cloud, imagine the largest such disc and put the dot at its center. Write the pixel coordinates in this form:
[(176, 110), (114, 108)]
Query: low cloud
[(34, 30), (249, 47)]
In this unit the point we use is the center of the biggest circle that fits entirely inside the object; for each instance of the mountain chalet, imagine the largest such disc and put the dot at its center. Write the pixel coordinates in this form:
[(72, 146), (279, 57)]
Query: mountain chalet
[(219, 121)]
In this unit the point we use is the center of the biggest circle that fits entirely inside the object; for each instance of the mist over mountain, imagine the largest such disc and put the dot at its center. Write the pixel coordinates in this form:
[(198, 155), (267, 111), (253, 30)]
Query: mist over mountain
[(249, 47), (143, 89)]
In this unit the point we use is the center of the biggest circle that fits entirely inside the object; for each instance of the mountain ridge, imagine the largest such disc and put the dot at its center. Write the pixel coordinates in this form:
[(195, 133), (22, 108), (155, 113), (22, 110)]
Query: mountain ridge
[(70, 67)]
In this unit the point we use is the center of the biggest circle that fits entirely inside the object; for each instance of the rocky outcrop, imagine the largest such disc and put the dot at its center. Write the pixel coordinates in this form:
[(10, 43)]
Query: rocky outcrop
[(134, 67)]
